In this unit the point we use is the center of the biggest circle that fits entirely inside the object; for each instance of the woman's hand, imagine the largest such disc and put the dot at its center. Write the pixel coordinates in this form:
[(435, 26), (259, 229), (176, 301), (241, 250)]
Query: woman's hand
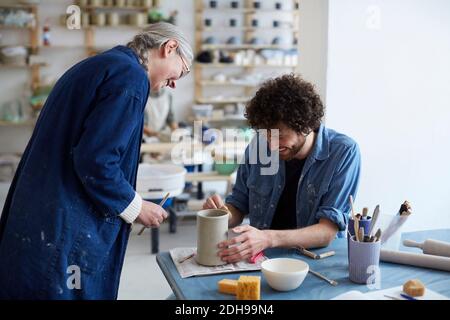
[(250, 242), (152, 215)]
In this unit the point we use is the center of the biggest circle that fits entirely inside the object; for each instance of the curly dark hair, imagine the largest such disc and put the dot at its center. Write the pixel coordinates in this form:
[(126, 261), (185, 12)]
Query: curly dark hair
[(287, 99)]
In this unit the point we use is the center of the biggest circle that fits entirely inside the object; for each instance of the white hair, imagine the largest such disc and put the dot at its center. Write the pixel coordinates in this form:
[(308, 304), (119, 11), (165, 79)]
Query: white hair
[(155, 36)]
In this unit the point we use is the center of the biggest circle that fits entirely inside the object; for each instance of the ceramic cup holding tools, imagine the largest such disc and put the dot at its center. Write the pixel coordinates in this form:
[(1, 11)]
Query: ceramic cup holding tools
[(212, 228), (363, 261)]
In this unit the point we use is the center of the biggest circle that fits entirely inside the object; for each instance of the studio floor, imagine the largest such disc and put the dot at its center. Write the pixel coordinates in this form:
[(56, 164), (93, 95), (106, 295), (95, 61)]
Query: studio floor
[(141, 277)]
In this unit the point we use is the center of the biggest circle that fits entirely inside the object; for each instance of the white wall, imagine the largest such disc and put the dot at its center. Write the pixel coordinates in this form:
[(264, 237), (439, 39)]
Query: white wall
[(313, 43), (389, 88)]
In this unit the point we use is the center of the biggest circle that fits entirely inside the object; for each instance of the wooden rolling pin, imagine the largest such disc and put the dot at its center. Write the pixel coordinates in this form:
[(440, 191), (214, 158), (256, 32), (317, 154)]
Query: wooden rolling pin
[(416, 259), (430, 246)]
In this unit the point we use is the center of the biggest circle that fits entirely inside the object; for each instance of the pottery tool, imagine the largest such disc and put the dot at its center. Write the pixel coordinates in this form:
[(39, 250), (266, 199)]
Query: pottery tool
[(361, 234), (397, 222), (365, 211), (375, 214), (377, 236), (160, 204), (186, 258), (313, 255), (356, 227), (430, 246), (407, 297), (405, 209), (392, 297), (332, 282), (355, 220), (326, 254)]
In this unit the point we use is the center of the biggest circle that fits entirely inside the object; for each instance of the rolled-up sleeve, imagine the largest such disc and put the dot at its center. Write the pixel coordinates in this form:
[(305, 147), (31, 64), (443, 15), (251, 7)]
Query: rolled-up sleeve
[(335, 204), (97, 155)]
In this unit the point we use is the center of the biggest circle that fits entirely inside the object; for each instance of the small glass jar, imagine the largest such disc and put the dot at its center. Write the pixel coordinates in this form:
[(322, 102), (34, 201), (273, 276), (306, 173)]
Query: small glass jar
[(96, 3), (113, 19), (120, 3), (99, 19), (137, 19), (85, 20)]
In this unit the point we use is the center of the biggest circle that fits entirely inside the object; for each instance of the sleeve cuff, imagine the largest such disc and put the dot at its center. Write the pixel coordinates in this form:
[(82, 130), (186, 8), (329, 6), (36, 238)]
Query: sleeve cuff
[(237, 204), (334, 215), (132, 211)]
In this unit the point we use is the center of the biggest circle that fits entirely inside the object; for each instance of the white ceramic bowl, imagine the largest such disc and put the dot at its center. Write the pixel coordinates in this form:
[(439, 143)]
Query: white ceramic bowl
[(160, 177), (284, 274)]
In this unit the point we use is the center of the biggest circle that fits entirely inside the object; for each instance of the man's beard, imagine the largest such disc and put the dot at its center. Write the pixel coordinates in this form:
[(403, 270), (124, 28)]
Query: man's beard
[(293, 151)]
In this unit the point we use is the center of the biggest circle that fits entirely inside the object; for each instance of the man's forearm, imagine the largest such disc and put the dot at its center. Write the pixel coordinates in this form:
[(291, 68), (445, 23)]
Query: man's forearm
[(236, 216), (315, 236)]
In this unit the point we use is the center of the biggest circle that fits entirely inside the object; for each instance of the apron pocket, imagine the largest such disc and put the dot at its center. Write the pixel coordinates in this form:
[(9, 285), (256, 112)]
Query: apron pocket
[(93, 244)]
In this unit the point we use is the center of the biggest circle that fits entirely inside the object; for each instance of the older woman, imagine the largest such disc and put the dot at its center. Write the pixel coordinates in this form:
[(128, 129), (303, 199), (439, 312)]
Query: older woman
[(66, 221)]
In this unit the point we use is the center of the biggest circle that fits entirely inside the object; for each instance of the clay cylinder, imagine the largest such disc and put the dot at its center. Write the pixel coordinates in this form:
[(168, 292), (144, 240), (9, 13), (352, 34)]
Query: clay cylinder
[(212, 228)]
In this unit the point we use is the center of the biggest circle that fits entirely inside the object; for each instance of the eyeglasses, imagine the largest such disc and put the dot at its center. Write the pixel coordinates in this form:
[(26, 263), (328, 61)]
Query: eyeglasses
[(171, 83), (186, 69)]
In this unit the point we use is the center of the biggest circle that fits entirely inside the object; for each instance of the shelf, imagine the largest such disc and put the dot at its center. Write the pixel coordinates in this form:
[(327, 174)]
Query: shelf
[(235, 91), (5, 66), (232, 65), (17, 124), (130, 8), (121, 26), (246, 46), (215, 29), (18, 6), (204, 100), (224, 119), (60, 47), (247, 11), (227, 83), (7, 27), (207, 176)]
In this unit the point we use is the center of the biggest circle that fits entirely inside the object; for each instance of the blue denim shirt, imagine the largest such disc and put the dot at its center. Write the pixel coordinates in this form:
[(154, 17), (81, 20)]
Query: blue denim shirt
[(330, 174)]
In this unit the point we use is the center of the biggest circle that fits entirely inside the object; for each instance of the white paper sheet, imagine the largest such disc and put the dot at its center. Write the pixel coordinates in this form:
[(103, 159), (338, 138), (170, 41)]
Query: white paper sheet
[(191, 268)]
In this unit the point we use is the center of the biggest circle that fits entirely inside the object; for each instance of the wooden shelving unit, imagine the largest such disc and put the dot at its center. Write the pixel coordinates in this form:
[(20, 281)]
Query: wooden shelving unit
[(33, 44), (22, 66), (92, 10), (127, 8), (199, 65), (247, 31), (17, 124), (244, 46)]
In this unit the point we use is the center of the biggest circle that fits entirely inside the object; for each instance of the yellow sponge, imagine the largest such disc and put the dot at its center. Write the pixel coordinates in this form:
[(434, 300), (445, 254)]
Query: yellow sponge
[(248, 288), (228, 286), (414, 288)]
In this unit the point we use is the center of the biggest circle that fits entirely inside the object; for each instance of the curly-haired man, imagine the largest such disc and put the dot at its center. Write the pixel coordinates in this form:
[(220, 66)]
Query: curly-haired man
[(305, 203)]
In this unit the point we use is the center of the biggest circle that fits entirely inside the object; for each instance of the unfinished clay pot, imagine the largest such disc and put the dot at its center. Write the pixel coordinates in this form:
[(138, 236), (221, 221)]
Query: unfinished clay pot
[(212, 228)]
